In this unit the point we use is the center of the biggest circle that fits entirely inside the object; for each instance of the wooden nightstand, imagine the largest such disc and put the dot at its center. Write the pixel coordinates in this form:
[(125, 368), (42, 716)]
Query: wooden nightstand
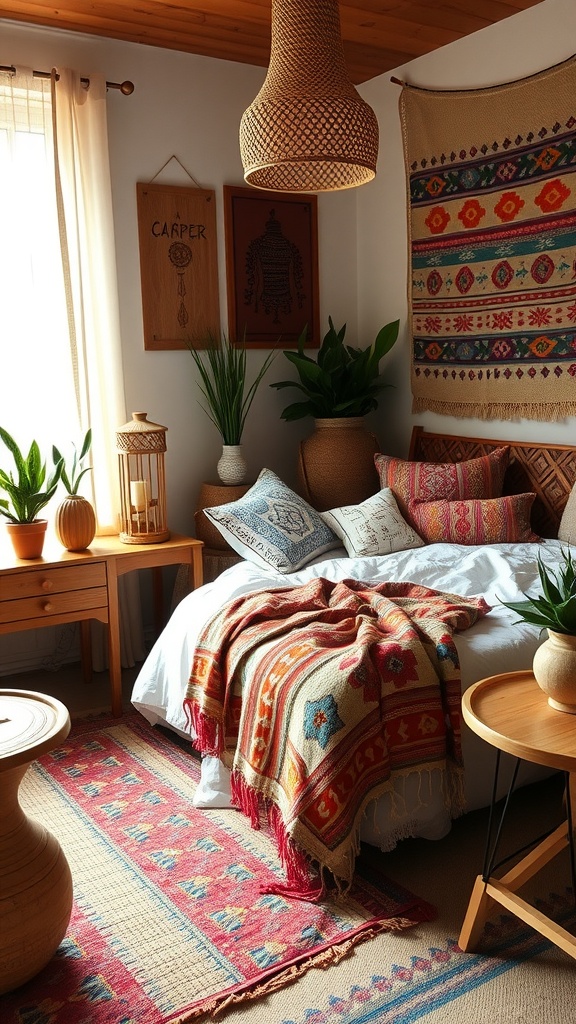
[(70, 586)]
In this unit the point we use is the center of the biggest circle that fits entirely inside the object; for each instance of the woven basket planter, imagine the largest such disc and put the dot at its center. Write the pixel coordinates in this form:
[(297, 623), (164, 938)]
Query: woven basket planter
[(336, 463)]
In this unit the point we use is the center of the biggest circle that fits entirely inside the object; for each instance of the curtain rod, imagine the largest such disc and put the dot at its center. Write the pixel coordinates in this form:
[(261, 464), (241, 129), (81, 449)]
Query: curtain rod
[(126, 88)]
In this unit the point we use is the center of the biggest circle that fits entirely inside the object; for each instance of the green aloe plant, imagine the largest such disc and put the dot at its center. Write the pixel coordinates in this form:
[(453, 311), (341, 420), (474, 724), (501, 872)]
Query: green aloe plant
[(71, 477), (342, 380), (222, 369), (555, 607), (29, 487)]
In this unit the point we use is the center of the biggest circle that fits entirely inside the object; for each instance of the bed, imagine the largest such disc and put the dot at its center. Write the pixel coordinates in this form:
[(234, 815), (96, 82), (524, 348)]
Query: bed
[(540, 477)]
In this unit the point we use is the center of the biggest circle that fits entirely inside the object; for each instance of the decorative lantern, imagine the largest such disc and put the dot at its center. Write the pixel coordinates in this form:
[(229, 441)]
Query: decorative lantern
[(141, 446)]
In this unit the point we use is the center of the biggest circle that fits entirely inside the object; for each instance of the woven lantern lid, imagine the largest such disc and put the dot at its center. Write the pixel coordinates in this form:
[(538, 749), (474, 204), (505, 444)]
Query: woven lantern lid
[(308, 129), (140, 434)]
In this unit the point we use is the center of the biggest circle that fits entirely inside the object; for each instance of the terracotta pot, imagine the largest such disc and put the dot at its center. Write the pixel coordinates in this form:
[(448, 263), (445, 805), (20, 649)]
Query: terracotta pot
[(336, 463), (75, 523), (28, 538), (554, 668)]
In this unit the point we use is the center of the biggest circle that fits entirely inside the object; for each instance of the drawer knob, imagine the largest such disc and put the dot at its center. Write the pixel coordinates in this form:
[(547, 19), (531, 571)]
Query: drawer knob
[(48, 606), (47, 584)]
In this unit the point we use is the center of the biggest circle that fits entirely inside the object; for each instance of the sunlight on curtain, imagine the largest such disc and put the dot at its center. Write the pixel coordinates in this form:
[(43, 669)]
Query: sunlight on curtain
[(35, 368), (60, 348)]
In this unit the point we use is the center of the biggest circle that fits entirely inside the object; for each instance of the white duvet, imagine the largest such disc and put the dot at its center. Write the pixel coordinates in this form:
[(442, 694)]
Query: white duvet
[(494, 644)]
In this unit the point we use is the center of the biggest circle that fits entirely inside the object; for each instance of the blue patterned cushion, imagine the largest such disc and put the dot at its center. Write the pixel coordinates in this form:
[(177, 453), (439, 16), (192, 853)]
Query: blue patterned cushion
[(273, 526)]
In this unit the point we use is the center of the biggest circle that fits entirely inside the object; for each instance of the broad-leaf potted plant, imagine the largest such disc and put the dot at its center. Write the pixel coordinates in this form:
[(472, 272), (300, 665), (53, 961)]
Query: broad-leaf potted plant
[(29, 487), (338, 388), (554, 609), (75, 522), (228, 398)]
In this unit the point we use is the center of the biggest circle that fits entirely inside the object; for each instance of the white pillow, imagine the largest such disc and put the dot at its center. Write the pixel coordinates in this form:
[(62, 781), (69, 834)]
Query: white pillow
[(375, 527), (273, 526)]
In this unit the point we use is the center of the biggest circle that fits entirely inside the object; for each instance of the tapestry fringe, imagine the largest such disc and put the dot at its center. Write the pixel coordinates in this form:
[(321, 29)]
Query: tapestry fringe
[(546, 412)]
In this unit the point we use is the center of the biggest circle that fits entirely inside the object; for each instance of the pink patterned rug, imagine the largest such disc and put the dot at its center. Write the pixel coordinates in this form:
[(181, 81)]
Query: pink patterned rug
[(169, 918)]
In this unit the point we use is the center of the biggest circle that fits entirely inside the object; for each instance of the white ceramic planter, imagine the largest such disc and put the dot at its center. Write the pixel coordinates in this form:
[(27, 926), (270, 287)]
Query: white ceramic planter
[(554, 668), (232, 466)]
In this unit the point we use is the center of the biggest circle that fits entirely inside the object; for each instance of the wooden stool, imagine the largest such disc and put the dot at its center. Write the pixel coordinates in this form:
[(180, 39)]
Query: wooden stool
[(36, 884)]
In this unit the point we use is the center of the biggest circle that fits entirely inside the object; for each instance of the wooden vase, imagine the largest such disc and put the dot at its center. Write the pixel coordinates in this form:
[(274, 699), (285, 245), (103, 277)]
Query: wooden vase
[(28, 538), (336, 463), (75, 523), (554, 669)]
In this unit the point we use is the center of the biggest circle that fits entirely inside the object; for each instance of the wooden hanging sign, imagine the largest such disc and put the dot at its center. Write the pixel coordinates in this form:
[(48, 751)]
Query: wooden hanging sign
[(178, 265)]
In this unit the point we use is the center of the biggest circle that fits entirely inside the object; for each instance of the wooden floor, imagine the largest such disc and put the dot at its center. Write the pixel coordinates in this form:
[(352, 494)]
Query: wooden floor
[(68, 686)]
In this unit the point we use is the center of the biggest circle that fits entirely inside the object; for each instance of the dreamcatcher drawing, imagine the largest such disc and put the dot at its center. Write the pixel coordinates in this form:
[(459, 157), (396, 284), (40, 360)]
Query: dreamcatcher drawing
[(180, 256), (274, 272)]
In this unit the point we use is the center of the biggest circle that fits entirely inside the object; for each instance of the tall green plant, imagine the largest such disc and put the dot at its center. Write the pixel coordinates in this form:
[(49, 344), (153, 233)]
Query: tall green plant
[(222, 369), (342, 380), (29, 489)]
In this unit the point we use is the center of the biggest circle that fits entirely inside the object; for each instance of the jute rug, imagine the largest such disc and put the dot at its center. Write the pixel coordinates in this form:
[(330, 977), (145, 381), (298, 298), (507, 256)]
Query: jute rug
[(171, 918), (491, 175)]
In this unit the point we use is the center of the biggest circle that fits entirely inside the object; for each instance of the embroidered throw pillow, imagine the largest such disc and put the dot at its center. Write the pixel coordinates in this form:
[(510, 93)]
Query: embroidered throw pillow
[(375, 527), (273, 526), (490, 521), (431, 481)]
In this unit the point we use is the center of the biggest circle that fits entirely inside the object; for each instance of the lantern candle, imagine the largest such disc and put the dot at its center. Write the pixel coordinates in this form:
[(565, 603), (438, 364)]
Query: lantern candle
[(138, 495)]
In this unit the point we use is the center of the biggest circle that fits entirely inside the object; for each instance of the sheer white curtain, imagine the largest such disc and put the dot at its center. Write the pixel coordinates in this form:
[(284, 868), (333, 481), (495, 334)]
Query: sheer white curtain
[(84, 198), (60, 350)]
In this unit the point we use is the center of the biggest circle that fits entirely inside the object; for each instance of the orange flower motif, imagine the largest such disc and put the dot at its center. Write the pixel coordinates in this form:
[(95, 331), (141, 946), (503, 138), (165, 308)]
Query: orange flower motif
[(508, 206), (553, 196), (471, 213), (437, 220)]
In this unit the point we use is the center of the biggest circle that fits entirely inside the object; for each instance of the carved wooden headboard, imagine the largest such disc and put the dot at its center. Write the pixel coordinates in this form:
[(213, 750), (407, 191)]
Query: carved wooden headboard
[(547, 469)]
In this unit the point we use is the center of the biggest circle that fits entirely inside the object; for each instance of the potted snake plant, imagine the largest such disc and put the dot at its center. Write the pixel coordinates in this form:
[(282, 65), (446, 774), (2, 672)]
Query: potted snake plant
[(75, 522), (29, 487), (554, 609), (338, 388)]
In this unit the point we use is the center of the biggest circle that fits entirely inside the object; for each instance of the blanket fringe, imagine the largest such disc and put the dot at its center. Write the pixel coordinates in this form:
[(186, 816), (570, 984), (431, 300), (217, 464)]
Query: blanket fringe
[(208, 738), (299, 882)]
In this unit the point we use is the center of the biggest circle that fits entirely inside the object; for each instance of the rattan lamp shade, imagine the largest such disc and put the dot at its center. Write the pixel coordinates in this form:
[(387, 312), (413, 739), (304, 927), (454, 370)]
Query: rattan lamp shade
[(308, 129)]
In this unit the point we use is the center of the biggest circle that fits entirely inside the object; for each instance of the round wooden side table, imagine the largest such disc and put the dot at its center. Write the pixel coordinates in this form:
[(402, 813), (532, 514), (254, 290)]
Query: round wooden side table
[(36, 884), (511, 712)]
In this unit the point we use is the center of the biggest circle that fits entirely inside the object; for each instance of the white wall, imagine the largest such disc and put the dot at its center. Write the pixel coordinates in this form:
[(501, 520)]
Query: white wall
[(518, 46), (190, 107)]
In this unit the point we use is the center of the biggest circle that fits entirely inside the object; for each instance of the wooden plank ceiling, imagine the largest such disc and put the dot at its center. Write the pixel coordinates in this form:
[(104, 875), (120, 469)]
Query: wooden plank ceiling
[(378, 35)]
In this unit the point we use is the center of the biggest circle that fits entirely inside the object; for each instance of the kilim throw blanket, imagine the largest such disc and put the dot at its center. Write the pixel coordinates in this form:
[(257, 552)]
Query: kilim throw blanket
[(316, 695), (492, 220)]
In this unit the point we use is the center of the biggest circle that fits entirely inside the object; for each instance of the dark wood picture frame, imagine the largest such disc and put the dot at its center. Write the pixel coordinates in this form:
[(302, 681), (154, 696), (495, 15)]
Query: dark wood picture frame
[(271, 267), (178, 265)]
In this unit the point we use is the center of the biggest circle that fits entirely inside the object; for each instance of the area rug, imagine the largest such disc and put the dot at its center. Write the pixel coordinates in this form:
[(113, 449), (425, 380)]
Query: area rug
[(491, 175), (171, 919)]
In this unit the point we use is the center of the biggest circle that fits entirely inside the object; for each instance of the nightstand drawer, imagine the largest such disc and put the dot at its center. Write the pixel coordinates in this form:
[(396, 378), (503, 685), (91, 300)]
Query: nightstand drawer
[(45, 582), (36, 608)]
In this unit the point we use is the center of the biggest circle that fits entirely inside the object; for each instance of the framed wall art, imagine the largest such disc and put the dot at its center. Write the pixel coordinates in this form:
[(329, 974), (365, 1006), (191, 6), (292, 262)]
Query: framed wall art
[(271, 267), (178, 265)]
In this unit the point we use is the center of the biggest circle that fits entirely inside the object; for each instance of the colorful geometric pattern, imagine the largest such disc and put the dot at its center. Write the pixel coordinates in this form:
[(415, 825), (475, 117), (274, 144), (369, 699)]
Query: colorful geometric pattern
[(492, 198), (169, 917), (492, 521), (320, 696)]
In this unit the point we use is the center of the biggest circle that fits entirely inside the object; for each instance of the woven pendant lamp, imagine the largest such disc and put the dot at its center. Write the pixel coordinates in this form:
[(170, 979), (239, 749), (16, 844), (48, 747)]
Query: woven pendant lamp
[(308, 129)]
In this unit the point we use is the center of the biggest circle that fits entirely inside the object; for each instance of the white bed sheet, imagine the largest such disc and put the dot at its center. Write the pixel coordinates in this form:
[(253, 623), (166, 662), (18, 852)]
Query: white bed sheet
[(494, 644)]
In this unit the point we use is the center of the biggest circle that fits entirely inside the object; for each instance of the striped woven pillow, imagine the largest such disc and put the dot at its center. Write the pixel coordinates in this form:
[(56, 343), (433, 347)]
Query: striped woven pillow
[(488, 521)]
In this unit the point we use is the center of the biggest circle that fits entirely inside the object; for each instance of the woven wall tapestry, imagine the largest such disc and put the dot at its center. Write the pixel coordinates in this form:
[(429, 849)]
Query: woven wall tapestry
[(492, 219)]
